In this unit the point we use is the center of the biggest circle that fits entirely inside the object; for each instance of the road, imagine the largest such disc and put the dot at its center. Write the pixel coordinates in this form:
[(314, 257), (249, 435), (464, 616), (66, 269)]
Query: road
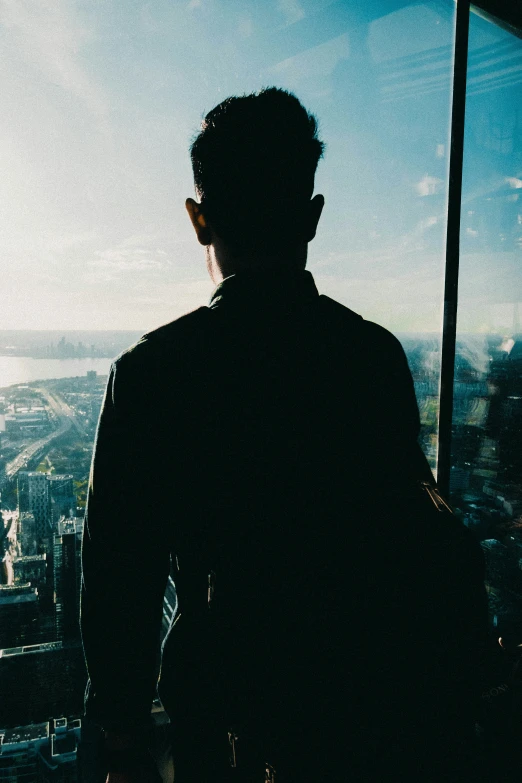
[(61, 409), (66, 419)]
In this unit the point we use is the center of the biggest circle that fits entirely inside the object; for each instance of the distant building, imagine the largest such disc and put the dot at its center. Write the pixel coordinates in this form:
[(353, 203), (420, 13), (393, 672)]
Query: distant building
[(30, 568), (58, 757), (67, 578), (459, 480), (18, 752), (500, 565), (68, 525), (61, 497), (48, 496), (19, 615), (40, 753), (92, 374), (27, 532), (33, 421), (41, 680), (33, 496)]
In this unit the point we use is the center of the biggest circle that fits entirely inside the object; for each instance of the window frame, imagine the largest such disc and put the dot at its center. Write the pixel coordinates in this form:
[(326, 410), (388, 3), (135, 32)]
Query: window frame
[(501, 13)]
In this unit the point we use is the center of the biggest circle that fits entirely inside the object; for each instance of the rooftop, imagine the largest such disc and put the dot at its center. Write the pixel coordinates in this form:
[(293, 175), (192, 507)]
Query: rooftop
[(18, 734), (31, 558), (17, 594), (10, 652)]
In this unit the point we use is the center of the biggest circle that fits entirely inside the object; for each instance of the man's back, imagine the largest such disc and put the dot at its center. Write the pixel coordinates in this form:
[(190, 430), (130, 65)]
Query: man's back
[(275, 419), (319, 607)]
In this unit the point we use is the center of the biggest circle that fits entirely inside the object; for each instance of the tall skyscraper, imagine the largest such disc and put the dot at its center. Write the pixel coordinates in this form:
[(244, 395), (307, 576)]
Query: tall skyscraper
[(67, 578), (48, 497), (62, 499), (33, 496)]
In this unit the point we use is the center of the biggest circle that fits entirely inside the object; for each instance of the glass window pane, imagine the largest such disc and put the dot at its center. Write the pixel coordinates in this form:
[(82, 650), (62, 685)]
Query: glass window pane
[(100, 102), (486, 469)]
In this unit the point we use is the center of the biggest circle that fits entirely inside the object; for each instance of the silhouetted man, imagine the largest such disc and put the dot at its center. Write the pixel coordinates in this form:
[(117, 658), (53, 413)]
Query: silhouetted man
[(257, 443)]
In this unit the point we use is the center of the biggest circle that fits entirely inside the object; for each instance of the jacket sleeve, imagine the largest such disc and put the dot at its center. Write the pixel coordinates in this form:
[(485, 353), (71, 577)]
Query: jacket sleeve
[(125, 559)]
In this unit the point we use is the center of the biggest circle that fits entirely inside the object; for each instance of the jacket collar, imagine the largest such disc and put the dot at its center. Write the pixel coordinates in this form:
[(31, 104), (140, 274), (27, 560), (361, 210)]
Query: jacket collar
[(275, 289)]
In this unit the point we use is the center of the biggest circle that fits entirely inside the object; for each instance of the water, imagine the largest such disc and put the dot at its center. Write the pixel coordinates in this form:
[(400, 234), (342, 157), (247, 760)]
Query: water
[(23, 369)]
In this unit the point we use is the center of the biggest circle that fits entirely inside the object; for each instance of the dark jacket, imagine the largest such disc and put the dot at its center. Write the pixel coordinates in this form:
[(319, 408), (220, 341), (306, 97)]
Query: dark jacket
[(250, 437)]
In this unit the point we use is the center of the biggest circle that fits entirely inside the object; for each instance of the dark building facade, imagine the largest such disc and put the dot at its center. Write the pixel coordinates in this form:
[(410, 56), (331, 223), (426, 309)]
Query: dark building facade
[(39, 681), (67, 579), (19, 615)]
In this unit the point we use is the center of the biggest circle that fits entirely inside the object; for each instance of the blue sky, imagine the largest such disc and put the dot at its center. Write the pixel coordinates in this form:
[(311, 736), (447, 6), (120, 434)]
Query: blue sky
[(100, 102)]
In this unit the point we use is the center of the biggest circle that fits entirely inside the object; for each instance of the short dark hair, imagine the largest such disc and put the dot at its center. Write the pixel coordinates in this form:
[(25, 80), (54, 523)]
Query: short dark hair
[(254, 163)]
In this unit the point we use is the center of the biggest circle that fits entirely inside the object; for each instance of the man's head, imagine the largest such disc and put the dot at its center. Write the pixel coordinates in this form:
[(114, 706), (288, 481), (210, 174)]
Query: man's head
[(254, 163)]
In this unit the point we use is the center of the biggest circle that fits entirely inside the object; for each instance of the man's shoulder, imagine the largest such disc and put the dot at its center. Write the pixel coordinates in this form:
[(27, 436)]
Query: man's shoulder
[(377, 336), (176, 334)]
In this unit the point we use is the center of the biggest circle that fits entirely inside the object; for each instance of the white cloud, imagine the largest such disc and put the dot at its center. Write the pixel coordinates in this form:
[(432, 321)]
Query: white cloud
[(429, 186), (292, 10), (134, 254), (506, 345), (114, 260)]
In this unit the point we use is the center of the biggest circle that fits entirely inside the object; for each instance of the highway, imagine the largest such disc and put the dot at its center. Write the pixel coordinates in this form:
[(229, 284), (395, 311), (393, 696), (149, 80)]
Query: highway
[(65, 418), (61, 410)]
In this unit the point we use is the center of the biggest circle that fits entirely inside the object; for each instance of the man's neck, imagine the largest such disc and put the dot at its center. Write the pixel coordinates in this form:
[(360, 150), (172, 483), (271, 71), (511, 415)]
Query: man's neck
[(261, 265), (223, 262)]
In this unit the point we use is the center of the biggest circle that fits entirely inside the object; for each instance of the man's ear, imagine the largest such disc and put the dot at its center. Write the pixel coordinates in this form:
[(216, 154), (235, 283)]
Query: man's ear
[(198, 220), (314, 207)]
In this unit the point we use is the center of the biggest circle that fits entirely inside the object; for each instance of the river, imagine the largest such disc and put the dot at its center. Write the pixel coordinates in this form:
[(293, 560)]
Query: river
[(23, 369)]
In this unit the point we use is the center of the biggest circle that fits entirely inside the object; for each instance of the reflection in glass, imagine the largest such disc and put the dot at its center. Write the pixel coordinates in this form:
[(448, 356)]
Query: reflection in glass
[(101, 102), (486, 473)]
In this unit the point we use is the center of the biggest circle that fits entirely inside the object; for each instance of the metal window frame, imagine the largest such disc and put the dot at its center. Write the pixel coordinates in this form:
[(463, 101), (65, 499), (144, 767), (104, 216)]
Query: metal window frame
[(504, 14), (451, 281)]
